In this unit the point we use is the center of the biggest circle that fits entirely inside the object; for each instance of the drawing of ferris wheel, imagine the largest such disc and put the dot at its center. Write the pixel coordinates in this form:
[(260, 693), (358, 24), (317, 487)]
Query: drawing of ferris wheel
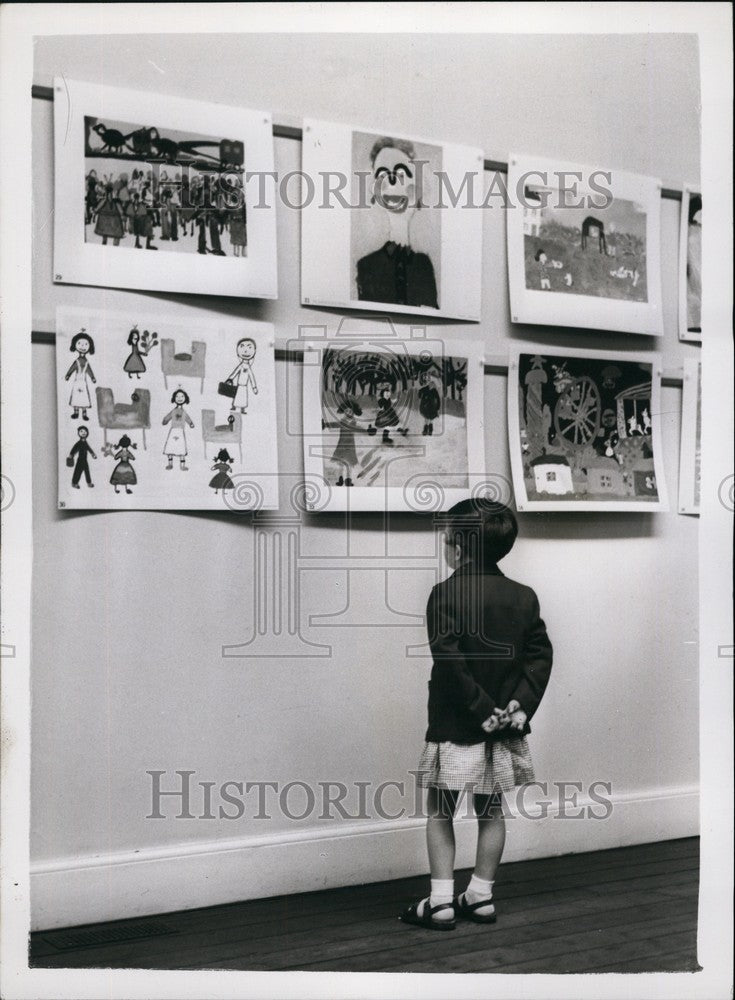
[(578, 410)]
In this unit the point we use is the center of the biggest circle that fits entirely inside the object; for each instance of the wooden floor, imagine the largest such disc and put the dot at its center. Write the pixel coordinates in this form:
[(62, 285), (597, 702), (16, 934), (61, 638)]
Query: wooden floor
[(631, 909)]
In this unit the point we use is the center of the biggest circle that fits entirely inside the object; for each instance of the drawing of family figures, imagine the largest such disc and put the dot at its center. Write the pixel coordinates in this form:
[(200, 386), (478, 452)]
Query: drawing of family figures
[(223, 467), (176, 438), (140, 347), (243, 376), (81, 374)]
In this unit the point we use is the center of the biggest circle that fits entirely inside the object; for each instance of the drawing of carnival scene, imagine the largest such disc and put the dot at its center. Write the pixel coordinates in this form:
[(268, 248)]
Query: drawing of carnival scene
[(154, 189), (379, 407), (585, 429), (585, 251)]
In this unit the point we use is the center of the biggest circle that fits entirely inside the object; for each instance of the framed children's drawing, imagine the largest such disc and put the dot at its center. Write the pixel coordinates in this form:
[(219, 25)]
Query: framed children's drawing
[(386, 223), (157, 413), (584, 430), (162, 193), (690, 266), (584, 247), (393, 425), (690, 453)]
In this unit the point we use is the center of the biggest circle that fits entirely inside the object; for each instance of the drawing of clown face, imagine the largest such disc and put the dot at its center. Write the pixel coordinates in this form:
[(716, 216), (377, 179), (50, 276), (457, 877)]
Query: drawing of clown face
[(394, 181)]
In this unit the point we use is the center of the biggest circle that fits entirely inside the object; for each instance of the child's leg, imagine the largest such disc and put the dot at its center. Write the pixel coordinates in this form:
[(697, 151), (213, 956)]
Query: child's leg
[(490, 844), (490, 835), (440, 805)]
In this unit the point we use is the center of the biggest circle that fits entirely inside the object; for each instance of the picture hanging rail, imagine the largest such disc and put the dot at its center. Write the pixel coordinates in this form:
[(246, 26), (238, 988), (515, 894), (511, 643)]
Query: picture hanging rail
[(493, 364), (291, 132)]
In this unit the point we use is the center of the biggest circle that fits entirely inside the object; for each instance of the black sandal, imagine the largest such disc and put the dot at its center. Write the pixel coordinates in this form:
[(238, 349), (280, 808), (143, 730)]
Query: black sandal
[(426, 918), (469, 910)]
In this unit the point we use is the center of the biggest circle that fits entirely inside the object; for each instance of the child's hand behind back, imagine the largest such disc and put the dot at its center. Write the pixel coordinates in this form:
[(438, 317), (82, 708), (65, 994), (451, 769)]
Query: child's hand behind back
[(512, 716), (491, 724), (518, 720)]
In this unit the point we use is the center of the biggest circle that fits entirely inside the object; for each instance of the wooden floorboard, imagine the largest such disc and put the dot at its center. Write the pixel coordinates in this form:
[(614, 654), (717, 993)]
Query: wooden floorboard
[(345, 898), (353, 907), (275, 909), (671, 962), (621, 910), (237, 941), (404, 944)]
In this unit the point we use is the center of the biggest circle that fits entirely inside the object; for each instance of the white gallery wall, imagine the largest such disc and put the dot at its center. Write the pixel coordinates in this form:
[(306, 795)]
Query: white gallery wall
[(131, 610)]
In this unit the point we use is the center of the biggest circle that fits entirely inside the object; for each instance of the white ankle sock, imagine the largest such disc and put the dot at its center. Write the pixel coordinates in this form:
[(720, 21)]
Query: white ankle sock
[(442, 891), (480, 888)]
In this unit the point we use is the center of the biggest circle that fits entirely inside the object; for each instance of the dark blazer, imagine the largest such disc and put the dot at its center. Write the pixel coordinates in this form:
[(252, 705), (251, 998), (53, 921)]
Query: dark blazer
[(489, 646), (398, 275)]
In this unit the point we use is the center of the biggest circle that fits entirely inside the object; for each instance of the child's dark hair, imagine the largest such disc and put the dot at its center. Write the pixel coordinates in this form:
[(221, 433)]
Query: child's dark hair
[(184, 393), (484, 530), (223, 455), (537, 255)]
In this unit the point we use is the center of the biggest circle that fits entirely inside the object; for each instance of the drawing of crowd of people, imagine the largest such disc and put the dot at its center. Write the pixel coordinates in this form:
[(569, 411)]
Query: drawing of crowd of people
[(145, 207), (152, 189)]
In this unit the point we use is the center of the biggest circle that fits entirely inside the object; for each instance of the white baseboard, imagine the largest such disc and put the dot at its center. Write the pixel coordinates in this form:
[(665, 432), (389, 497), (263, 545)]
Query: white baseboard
[(85, 890)]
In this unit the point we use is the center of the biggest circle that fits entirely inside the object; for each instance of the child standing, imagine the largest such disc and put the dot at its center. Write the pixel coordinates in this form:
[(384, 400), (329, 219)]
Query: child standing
[(492, 660), (542, 260)]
